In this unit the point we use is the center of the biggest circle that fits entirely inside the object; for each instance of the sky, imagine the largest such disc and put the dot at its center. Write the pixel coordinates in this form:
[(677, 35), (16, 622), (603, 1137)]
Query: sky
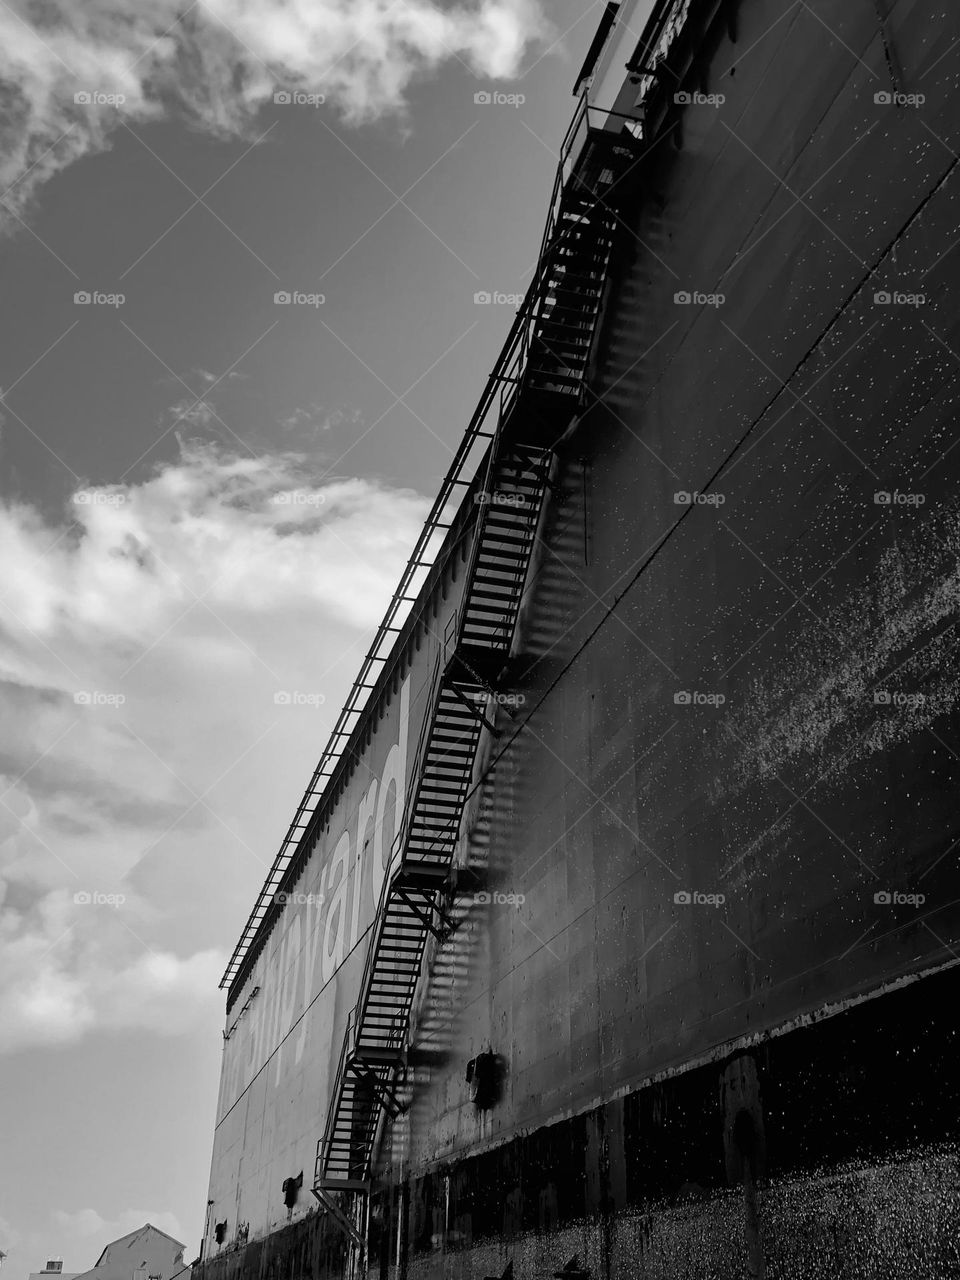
[(207, 494)]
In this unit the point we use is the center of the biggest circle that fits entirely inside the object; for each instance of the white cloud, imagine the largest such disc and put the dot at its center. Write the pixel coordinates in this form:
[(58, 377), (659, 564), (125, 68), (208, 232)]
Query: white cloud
[(174, 611), (217, 62)]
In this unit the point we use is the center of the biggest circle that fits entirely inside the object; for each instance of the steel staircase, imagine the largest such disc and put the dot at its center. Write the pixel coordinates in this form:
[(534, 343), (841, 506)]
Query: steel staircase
[(576, 268), (554, 326), (371, 1074), (544, 387)]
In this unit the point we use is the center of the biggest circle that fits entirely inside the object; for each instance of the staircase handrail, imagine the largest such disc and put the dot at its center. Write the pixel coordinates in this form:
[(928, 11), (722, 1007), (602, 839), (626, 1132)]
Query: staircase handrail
[(499, 392)]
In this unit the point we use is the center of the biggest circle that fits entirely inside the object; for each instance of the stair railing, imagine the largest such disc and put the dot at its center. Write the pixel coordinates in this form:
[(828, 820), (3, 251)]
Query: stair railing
[(499, 396), (346, 1052)]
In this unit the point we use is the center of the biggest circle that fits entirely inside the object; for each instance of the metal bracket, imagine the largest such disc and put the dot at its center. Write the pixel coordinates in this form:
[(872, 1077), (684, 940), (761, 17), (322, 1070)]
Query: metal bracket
[(388, 1098), (426, 917), (539, 459), (472, 708), (339, 1217)]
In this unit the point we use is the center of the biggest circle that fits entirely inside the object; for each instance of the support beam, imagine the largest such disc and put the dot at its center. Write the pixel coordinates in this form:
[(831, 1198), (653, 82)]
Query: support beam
[(388, 1099), (472, 708), (425, 917), (338, 1216)]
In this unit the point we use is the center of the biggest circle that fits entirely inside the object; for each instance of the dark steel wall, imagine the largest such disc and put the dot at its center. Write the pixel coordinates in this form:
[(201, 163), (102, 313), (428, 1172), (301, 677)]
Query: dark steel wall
[(855, 1163), (750, 696), (802, 599)]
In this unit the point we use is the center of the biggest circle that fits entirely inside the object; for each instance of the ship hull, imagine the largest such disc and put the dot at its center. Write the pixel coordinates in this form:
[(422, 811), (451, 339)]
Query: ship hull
[(709, 908)]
